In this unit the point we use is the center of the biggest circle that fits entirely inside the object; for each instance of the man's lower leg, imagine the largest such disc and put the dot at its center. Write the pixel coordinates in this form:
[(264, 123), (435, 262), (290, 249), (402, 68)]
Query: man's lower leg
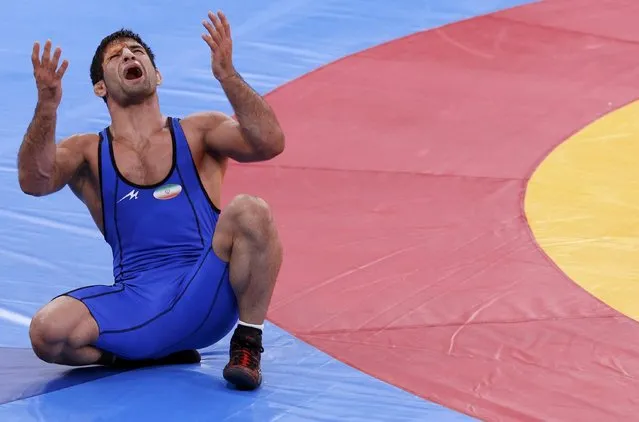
[(254, 265)]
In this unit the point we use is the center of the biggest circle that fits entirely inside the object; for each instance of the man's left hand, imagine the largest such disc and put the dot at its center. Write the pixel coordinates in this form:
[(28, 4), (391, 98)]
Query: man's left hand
[(219, 40)]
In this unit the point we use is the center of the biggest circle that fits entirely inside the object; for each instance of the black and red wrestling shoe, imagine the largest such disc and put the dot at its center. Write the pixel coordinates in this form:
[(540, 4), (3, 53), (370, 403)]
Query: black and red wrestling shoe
[(243, 369)]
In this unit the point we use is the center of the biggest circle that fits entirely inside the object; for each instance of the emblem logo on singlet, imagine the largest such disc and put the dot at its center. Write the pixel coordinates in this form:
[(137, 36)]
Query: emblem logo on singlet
[(131, 195), (167, 192)]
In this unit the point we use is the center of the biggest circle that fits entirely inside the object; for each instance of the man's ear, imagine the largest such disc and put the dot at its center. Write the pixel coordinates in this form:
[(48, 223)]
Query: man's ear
[(100, 89), (159, 77)]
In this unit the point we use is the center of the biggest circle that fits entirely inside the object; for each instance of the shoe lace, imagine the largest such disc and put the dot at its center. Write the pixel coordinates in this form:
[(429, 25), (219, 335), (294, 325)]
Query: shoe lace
[(246, 353)]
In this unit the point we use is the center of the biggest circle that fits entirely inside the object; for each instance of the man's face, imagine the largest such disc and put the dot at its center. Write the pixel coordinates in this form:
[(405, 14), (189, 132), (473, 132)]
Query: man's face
[(129, 75)]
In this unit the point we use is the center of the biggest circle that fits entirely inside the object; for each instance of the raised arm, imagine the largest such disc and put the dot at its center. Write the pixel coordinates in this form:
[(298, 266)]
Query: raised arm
[(256, 135), (43, 166)]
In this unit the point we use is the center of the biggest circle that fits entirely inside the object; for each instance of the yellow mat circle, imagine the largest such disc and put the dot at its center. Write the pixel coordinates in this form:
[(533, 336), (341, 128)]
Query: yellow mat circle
[(582, 204)]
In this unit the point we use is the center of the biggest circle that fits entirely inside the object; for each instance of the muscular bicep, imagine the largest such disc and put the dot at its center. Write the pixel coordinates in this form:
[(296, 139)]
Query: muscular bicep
[(227, 139), (69, 159), (223, 137)]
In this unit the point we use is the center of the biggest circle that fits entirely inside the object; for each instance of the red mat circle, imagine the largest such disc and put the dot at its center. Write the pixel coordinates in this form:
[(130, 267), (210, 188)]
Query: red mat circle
[(399, 201)]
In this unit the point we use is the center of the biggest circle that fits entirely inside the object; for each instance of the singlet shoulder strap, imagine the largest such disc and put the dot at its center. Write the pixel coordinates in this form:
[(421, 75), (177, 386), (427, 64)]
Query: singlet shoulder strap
[(105, 163), (185, 161), (182, 150)]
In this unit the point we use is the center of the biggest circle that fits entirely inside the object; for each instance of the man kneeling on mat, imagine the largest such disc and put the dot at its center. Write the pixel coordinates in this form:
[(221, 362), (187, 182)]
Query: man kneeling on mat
[(184, 271)]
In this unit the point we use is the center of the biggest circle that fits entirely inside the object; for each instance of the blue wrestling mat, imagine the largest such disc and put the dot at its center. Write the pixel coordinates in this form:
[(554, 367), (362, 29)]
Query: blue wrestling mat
[(50, 245)]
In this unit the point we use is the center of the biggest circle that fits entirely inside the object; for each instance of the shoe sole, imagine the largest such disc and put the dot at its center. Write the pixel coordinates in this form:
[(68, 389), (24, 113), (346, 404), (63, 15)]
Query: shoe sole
[(241, 379)]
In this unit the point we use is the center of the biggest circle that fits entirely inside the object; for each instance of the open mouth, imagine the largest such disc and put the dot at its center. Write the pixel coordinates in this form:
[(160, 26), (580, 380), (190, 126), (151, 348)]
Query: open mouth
[(133, 73)]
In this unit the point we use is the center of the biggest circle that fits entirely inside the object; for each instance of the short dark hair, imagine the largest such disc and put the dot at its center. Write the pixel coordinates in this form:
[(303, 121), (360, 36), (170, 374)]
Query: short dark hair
[(97, 73)]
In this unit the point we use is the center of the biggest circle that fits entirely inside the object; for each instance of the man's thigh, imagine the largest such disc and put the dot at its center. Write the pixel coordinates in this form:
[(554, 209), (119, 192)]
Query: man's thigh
[(137, 322), (207, 309)]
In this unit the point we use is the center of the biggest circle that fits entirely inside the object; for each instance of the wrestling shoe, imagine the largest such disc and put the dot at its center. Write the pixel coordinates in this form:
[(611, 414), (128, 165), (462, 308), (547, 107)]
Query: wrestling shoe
[(243, 369)]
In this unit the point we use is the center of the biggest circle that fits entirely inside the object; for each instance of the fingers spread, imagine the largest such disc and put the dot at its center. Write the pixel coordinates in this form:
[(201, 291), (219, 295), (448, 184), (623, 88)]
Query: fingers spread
[(218, 30), (47, 64)]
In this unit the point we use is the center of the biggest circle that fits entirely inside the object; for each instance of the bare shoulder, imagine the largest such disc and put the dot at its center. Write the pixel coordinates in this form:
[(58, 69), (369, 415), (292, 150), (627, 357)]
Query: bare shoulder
[(206, 132), (80, 143), (199, 126), (223, 137), (205, 121), (77, 157)]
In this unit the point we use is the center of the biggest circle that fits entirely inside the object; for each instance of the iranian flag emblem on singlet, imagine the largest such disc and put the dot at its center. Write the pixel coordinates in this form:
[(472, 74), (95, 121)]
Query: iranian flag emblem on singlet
[(167, 192)]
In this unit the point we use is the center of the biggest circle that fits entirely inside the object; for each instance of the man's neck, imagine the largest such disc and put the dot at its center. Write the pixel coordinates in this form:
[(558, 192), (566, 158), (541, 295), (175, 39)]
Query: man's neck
[(135, 124)]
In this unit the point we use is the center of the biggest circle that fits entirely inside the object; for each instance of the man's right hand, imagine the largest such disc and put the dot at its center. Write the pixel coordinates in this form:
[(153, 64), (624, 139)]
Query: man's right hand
[(47, 74)]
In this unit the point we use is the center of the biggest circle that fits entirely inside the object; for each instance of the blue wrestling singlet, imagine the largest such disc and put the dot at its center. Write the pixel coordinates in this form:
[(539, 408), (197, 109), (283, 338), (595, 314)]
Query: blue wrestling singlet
[(171, 291)]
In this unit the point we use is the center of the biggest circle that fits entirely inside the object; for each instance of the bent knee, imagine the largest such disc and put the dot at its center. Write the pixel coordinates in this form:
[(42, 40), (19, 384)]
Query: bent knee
[(250, 214), (247, 218), (248, 204), (46, 339), (60, 324), (43, 328)]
